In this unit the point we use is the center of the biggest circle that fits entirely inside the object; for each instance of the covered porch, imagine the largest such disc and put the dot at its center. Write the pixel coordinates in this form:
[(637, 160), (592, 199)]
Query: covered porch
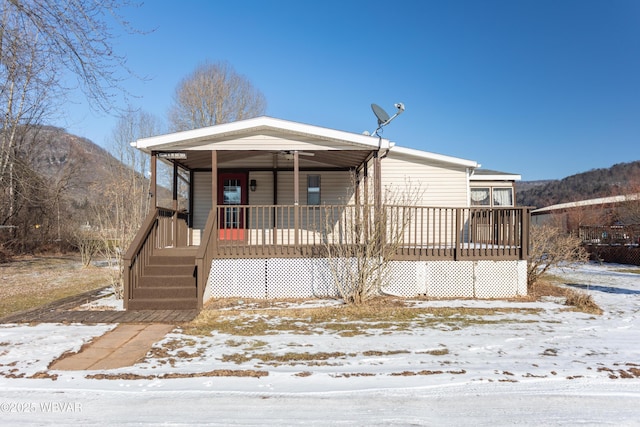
[(254, 192)]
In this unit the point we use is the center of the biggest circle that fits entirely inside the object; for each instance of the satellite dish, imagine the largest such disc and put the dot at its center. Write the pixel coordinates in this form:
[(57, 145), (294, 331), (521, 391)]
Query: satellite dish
[(382, 115)]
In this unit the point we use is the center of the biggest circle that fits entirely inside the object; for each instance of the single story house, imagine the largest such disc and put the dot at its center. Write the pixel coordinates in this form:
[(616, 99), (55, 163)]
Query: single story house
[(603, 220), (258, 206)]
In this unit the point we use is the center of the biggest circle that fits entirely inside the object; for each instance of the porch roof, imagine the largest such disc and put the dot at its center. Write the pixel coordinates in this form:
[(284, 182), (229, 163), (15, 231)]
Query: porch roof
[(197, 139), (252, 139)]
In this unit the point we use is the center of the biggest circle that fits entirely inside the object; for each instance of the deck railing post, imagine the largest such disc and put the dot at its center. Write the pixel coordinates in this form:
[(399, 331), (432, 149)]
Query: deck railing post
[(296, 195), (525, 215), (459, 234)]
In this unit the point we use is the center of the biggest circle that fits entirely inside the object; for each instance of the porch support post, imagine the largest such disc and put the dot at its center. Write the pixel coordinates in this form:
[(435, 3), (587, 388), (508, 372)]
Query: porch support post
[(214, 177), (356, 179), (174, 197), (296, 196), (153, 179), (365, 188), (275, 199), (358, 213), (377, 199), (377, 191), (525, 218), (214, 189), (367, 201)]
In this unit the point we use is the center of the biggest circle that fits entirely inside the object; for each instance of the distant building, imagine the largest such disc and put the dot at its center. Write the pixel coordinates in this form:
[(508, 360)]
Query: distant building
[(604, 220)]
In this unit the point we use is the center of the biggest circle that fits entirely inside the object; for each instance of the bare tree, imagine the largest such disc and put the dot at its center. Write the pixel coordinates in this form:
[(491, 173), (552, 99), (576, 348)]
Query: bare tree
[(125, 199), (77, 36), (550, 246), (214, 94), (25, 89), (41, 41), (361, 240)]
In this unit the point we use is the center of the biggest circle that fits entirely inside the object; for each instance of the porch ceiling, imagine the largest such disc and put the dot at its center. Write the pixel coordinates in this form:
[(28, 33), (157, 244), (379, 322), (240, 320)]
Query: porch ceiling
[(256, 159)]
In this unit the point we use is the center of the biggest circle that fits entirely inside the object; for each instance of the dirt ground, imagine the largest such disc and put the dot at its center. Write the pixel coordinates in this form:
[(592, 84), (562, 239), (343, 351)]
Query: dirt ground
[(31, 281)]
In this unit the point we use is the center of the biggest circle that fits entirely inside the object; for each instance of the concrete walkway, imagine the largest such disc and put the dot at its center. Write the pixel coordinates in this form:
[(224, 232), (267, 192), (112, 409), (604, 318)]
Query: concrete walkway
[(118, 348)]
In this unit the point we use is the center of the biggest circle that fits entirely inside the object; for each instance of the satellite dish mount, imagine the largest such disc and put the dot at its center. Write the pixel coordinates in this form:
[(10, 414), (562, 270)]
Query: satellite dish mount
[(383, 117)]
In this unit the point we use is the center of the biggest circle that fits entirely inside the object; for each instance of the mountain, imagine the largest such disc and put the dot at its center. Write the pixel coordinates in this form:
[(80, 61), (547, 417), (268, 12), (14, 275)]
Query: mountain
[(89, 164), (59, 155), (618, 179)]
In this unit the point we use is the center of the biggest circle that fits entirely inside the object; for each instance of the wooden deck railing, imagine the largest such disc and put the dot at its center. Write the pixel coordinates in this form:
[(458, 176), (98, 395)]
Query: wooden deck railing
[(414, 232), (162, 228), (268, 231)]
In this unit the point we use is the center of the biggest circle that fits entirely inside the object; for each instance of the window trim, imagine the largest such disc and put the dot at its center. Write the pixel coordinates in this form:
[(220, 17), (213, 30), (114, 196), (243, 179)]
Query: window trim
[(314, 191), (491, 203)]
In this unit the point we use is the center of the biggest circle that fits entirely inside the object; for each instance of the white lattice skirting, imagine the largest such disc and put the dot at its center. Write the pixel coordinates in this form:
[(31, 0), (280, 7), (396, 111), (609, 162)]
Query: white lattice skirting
[(311, 277)]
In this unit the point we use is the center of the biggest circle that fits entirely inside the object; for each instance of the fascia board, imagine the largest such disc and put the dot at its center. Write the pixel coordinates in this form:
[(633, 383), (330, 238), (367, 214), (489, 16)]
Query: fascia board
[(175, 140), (433, 156), (500, 177)]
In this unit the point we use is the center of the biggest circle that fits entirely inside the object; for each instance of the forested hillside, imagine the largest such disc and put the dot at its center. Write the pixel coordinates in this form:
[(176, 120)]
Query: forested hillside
[(57, 181), (621, 178)]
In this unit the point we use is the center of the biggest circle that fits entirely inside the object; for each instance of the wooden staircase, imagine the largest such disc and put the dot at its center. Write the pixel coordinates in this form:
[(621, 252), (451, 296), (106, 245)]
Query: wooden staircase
[(167, 282)]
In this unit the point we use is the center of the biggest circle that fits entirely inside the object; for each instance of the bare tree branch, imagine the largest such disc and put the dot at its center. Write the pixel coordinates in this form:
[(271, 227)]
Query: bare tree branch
[(214, 94), (78, 36)]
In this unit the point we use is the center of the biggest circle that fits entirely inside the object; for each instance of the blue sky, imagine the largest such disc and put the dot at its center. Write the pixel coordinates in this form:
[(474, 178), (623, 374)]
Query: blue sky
[(541, 88)]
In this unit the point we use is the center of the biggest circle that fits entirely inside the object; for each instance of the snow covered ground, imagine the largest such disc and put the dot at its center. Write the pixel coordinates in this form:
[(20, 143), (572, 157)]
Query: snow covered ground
[(528, 364)]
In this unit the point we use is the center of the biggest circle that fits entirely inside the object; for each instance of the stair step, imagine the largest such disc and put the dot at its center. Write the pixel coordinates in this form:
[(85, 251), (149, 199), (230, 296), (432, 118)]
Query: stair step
[(165, 292), (167, 281), (172, 260), (163, 304), (188, 251), (169, 270)]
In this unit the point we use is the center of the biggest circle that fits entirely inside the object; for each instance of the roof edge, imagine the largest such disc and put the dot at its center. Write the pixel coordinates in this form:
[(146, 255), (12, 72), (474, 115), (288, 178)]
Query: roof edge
[(434, 156), (264, 122)]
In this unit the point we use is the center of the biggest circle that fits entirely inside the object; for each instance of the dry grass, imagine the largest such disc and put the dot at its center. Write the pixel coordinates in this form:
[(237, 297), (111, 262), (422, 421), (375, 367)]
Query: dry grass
[(215, 373), (256, 318), (546, 287), (582, 301), (578, 300), (30, 282)]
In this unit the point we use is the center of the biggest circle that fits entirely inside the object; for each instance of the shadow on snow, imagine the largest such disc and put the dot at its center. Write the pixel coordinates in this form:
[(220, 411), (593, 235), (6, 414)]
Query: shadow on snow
[(606, 289)]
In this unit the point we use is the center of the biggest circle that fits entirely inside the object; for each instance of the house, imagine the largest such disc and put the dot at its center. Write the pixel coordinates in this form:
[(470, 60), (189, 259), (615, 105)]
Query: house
[(599, 221), (259, 203)]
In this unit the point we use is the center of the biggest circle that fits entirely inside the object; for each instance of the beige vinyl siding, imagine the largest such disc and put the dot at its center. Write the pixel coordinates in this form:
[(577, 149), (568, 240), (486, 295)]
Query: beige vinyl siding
[(441, 184), (264, 188), (201, 199), (335, 187)]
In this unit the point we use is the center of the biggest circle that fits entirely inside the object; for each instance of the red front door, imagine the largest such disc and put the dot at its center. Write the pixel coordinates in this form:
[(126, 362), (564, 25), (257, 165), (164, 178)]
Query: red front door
[(232, 193)]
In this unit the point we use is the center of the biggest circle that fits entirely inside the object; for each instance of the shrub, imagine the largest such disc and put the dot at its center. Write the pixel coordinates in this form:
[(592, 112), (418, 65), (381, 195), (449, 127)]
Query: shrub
[(551, 247)]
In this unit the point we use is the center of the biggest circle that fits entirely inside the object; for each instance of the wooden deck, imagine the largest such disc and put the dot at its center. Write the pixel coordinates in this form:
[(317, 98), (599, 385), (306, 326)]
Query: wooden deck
[(63, 311)]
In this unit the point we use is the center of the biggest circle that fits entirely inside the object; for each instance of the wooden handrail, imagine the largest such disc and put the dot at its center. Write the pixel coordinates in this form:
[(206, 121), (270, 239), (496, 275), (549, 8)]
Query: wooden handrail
[(141, 236), (144, 243), (205, 254)]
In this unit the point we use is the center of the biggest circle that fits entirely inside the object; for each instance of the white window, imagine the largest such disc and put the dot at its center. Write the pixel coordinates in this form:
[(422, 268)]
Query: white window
[(480, 196), (491, 196), (313, 189), (503, 196)]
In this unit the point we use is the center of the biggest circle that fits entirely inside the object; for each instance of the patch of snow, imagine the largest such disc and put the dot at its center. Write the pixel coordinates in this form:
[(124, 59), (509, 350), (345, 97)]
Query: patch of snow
[(107, 301), (540, 365)]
